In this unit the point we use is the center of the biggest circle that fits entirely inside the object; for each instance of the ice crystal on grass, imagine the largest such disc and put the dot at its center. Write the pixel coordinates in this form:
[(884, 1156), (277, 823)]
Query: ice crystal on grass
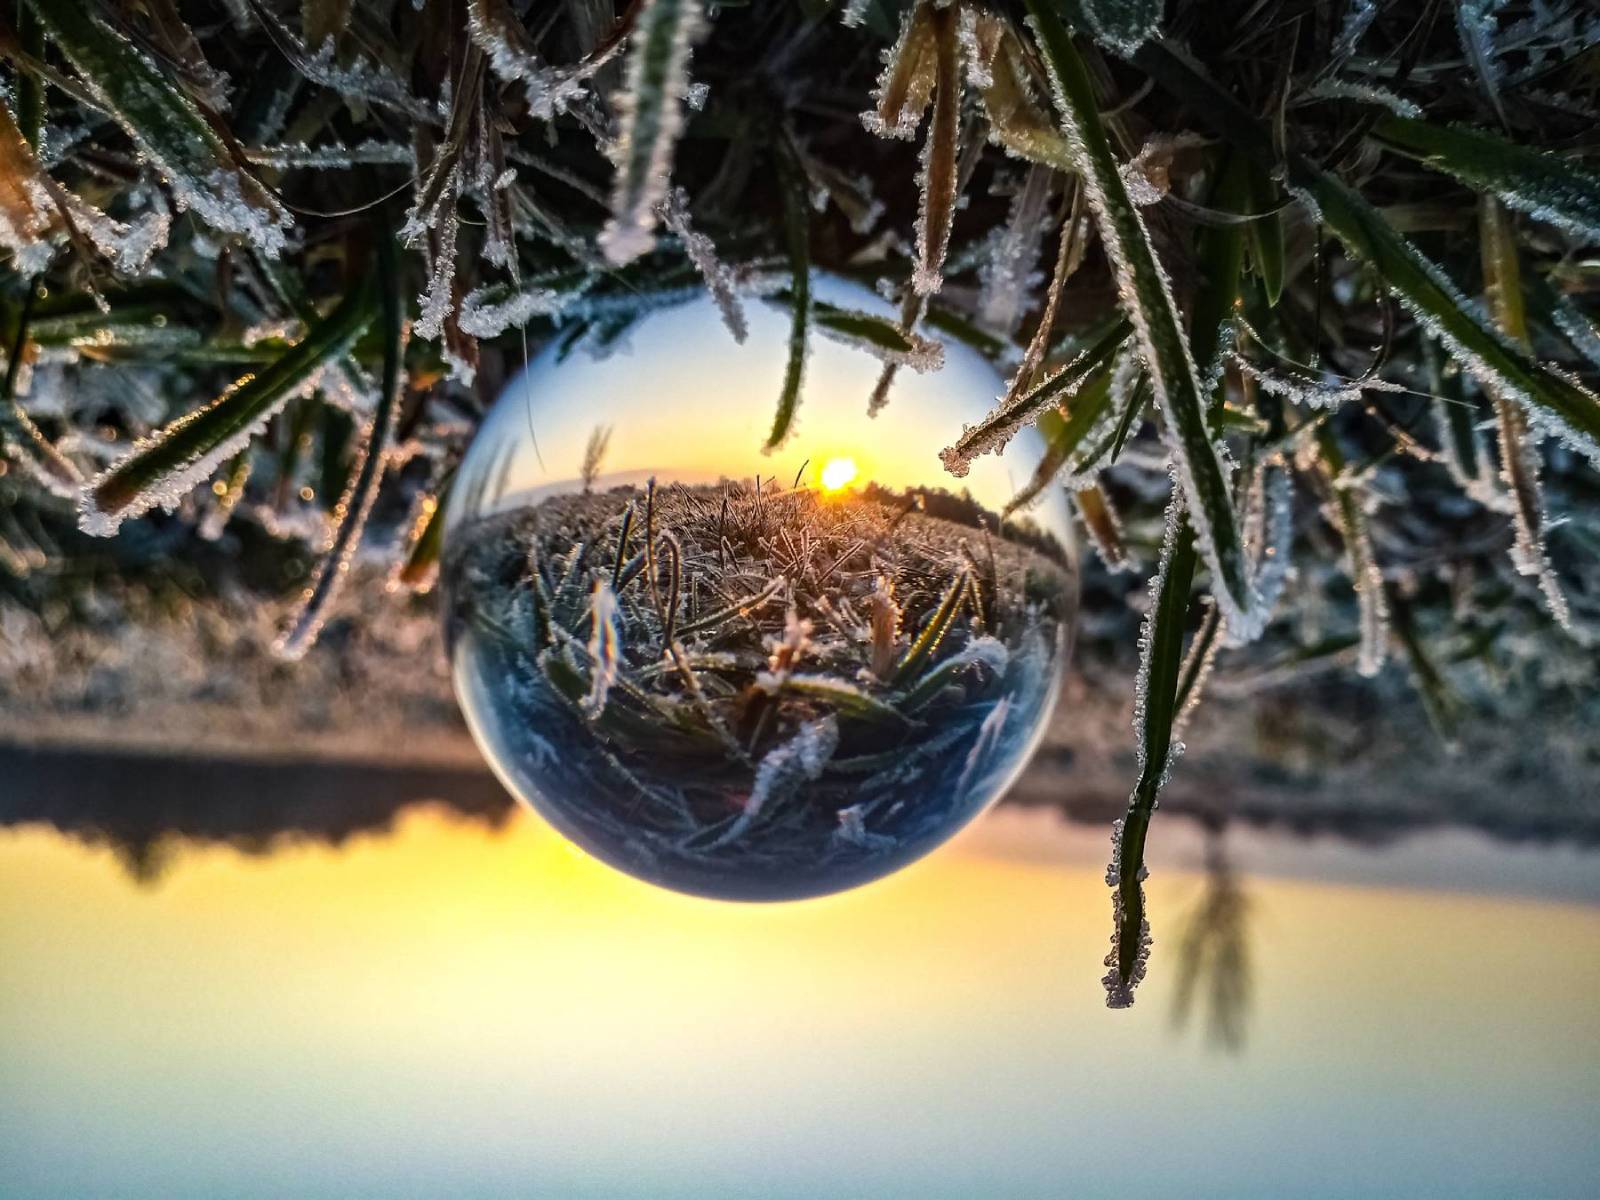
[(651, 109), (1358, 18), (910, 74), (1328, 392), (855, 12), (345, 526), (938, 180), (703, 253), (1365, 93), (98, 521), (604, 647), (1145, 293), (170, 132), (332, 157), (1124, 25), (497, 31), (1147, 175), (438, 302), (359, 79), (488, 312), (1010, 269), (1350, 515), (783, 769), (1477, 22)]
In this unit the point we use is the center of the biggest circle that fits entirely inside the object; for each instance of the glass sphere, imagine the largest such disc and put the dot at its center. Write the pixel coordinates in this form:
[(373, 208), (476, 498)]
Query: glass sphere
[(743, 674)]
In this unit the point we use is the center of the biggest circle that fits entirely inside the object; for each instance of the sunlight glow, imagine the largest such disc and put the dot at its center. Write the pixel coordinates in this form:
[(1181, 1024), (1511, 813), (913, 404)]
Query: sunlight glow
[(837, 473)]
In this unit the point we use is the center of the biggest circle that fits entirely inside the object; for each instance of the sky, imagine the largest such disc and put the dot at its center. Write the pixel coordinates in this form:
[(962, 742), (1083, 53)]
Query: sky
[(686, 403), (454, 1011)]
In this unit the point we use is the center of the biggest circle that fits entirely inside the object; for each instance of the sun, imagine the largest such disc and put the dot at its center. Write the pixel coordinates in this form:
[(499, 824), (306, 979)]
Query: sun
[(837, 473)]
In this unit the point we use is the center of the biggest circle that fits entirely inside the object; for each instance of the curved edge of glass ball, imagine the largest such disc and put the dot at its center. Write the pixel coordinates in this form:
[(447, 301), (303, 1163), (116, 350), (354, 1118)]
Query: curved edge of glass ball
[(794, 690)]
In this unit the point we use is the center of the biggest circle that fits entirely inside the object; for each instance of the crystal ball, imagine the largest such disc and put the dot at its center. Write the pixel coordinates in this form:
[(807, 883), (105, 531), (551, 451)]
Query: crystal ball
[(747, 673)]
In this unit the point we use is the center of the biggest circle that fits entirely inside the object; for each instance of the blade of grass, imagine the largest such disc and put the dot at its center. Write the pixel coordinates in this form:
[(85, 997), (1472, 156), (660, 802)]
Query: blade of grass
[(1266, 233), (994, 432), (1552, 401), (166, 126), (162, 467), (1064, 434), (1155, 713), (797, 232), (652, 106), (1519, 457), (1147, 299), (355, 505), (1546, 186)]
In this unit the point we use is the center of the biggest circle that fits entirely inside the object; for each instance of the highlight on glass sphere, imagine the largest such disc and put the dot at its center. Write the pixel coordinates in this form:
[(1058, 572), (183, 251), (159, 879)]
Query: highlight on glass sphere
[(746, 674)]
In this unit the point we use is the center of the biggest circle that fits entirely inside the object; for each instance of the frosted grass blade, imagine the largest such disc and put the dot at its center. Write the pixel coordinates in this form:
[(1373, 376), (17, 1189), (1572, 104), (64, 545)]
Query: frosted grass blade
[(355, 505), (1519, 457), (162, 467), (1147, 300), (652, 118), (994, 432), (1063, 435), (1156, 704), (1554, 402), (1123, 24), (166, 126), (1547, 187), (797, 231), (938, 182)]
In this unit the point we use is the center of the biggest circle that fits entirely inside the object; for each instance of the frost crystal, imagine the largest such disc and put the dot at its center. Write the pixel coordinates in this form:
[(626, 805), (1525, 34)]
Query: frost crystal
[(439, 300), (1358, 19), (341, 538), (333, 157), (1330, 392), (1009, 270), (1479, 27), (989, 734), (1345, 89), (906, 85), (482, 316), (496, 30), (1519, 471), (703, 253), (173, 487), (783, 769), (855, 12), (1124, 25), (1147, 175)]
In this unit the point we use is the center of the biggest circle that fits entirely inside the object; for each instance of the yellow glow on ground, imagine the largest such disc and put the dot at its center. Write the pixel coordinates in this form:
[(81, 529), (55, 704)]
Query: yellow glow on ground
[(837, 473)]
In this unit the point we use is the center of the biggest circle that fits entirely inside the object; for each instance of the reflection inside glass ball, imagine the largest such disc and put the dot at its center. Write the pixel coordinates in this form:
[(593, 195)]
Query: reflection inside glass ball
[(747, 675)]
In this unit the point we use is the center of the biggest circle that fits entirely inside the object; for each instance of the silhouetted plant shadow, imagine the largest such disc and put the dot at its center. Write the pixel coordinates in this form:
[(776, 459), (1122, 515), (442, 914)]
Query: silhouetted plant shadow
[(1214, 953)]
